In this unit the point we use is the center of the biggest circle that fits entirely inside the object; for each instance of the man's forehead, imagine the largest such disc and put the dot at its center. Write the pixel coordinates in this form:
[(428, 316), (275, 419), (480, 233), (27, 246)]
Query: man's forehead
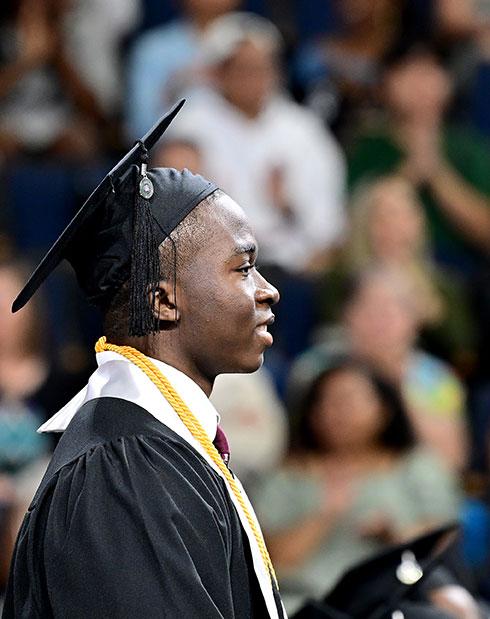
[(227, 208), (227, 218)]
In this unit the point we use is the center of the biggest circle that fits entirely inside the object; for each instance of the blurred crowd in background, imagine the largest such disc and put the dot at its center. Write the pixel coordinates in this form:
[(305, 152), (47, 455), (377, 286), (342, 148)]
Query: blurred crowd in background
[(356, 136)]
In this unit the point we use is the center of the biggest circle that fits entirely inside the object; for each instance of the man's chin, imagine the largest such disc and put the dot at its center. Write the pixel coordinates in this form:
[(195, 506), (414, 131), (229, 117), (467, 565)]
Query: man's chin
[(257, 365), (247, 367)]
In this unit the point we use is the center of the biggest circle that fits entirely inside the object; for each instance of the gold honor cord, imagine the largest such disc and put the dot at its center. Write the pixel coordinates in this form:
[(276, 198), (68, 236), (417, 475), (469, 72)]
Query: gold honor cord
[(195, 428)]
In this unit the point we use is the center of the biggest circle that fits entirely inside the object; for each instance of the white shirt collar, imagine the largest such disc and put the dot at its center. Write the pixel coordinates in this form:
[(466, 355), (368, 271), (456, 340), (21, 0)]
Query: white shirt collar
[(117, 377)]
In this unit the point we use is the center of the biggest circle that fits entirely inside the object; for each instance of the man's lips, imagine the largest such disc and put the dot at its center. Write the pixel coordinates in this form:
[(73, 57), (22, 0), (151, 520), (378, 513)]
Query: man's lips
[(268, 321), (261, 329)]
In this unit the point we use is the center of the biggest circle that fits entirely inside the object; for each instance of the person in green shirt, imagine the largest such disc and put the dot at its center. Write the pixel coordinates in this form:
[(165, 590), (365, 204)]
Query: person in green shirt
[(450, 166)]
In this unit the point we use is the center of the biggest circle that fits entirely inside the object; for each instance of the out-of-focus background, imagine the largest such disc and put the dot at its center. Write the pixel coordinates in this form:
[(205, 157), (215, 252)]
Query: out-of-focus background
[(355, 134)]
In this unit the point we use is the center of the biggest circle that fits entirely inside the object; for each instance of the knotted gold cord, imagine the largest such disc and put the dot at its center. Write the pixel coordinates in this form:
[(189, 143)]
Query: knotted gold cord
[(195, 428)]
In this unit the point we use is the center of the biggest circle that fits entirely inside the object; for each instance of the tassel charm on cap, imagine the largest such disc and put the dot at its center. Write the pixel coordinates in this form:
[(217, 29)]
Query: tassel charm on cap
[(146, 186), (409, 571)]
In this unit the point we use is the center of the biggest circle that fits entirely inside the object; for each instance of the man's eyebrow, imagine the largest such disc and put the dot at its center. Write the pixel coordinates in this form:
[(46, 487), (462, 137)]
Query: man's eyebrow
[(245, 248)]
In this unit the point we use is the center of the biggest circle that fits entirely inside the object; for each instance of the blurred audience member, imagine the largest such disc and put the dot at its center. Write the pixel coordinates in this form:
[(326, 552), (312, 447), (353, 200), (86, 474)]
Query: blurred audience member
[(265, 150), (478, 62), (449, 166), (461, 29), (178, 154), (45, 104), (95, 32), (255, 422), (339, 72), (274, 157), (355, 481), (457, 19), (381, 322), (165, 61), (388, 227), (32, 385), (23, 372)]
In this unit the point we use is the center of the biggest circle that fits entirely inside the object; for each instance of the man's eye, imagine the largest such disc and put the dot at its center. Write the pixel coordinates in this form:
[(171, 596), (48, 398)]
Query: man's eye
[(245, 270)]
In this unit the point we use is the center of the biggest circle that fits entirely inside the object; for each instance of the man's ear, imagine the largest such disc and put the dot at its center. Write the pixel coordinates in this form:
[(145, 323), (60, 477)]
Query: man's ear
[(164, 302)]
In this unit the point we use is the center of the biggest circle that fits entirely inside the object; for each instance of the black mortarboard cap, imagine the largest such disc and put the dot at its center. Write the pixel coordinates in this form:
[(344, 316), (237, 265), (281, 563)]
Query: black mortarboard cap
[(388, 585), (115, 235)]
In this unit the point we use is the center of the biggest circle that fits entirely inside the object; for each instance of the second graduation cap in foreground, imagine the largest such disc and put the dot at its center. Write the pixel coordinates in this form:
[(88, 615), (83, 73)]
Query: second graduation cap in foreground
[(389, 585)]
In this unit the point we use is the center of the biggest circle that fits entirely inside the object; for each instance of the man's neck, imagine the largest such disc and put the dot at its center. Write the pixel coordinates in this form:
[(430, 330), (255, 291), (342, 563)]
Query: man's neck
[(169, 352)]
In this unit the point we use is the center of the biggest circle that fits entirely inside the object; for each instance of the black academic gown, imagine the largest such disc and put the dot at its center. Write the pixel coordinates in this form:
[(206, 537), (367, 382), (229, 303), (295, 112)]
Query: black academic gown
[(130, 521)]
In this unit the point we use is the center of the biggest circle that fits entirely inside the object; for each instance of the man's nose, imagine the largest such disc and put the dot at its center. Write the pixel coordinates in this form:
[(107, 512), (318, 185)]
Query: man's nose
[(266, 292)]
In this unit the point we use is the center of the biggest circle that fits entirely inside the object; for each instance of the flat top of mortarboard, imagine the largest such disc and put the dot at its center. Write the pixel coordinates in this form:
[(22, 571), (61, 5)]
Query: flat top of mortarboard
[(378, 578), (60, 248)]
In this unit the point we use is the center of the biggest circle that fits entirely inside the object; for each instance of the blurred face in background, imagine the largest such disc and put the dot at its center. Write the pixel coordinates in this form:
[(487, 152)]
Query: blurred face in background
[(395, 221), (357, 12), (348, 413), (209, 9), (382, 319), (179, 154), (418, 87), (249, 77)]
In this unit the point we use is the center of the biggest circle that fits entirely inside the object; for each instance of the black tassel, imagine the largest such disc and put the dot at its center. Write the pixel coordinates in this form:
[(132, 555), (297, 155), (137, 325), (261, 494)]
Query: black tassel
[(145, 267)]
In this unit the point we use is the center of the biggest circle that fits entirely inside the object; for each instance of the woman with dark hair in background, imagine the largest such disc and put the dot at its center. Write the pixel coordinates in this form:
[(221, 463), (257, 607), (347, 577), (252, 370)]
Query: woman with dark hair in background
[(355, 480)]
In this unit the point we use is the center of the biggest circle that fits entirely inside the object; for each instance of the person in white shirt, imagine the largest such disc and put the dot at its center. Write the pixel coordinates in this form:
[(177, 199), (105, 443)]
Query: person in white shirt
[(284, 167)]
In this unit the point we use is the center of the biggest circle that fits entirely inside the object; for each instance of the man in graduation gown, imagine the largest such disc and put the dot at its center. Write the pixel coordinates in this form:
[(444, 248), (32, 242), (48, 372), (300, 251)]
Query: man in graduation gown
[(138, 514)]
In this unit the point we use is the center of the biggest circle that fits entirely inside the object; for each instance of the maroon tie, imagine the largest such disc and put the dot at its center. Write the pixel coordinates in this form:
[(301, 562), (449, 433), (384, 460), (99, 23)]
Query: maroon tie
[(221, 444)]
